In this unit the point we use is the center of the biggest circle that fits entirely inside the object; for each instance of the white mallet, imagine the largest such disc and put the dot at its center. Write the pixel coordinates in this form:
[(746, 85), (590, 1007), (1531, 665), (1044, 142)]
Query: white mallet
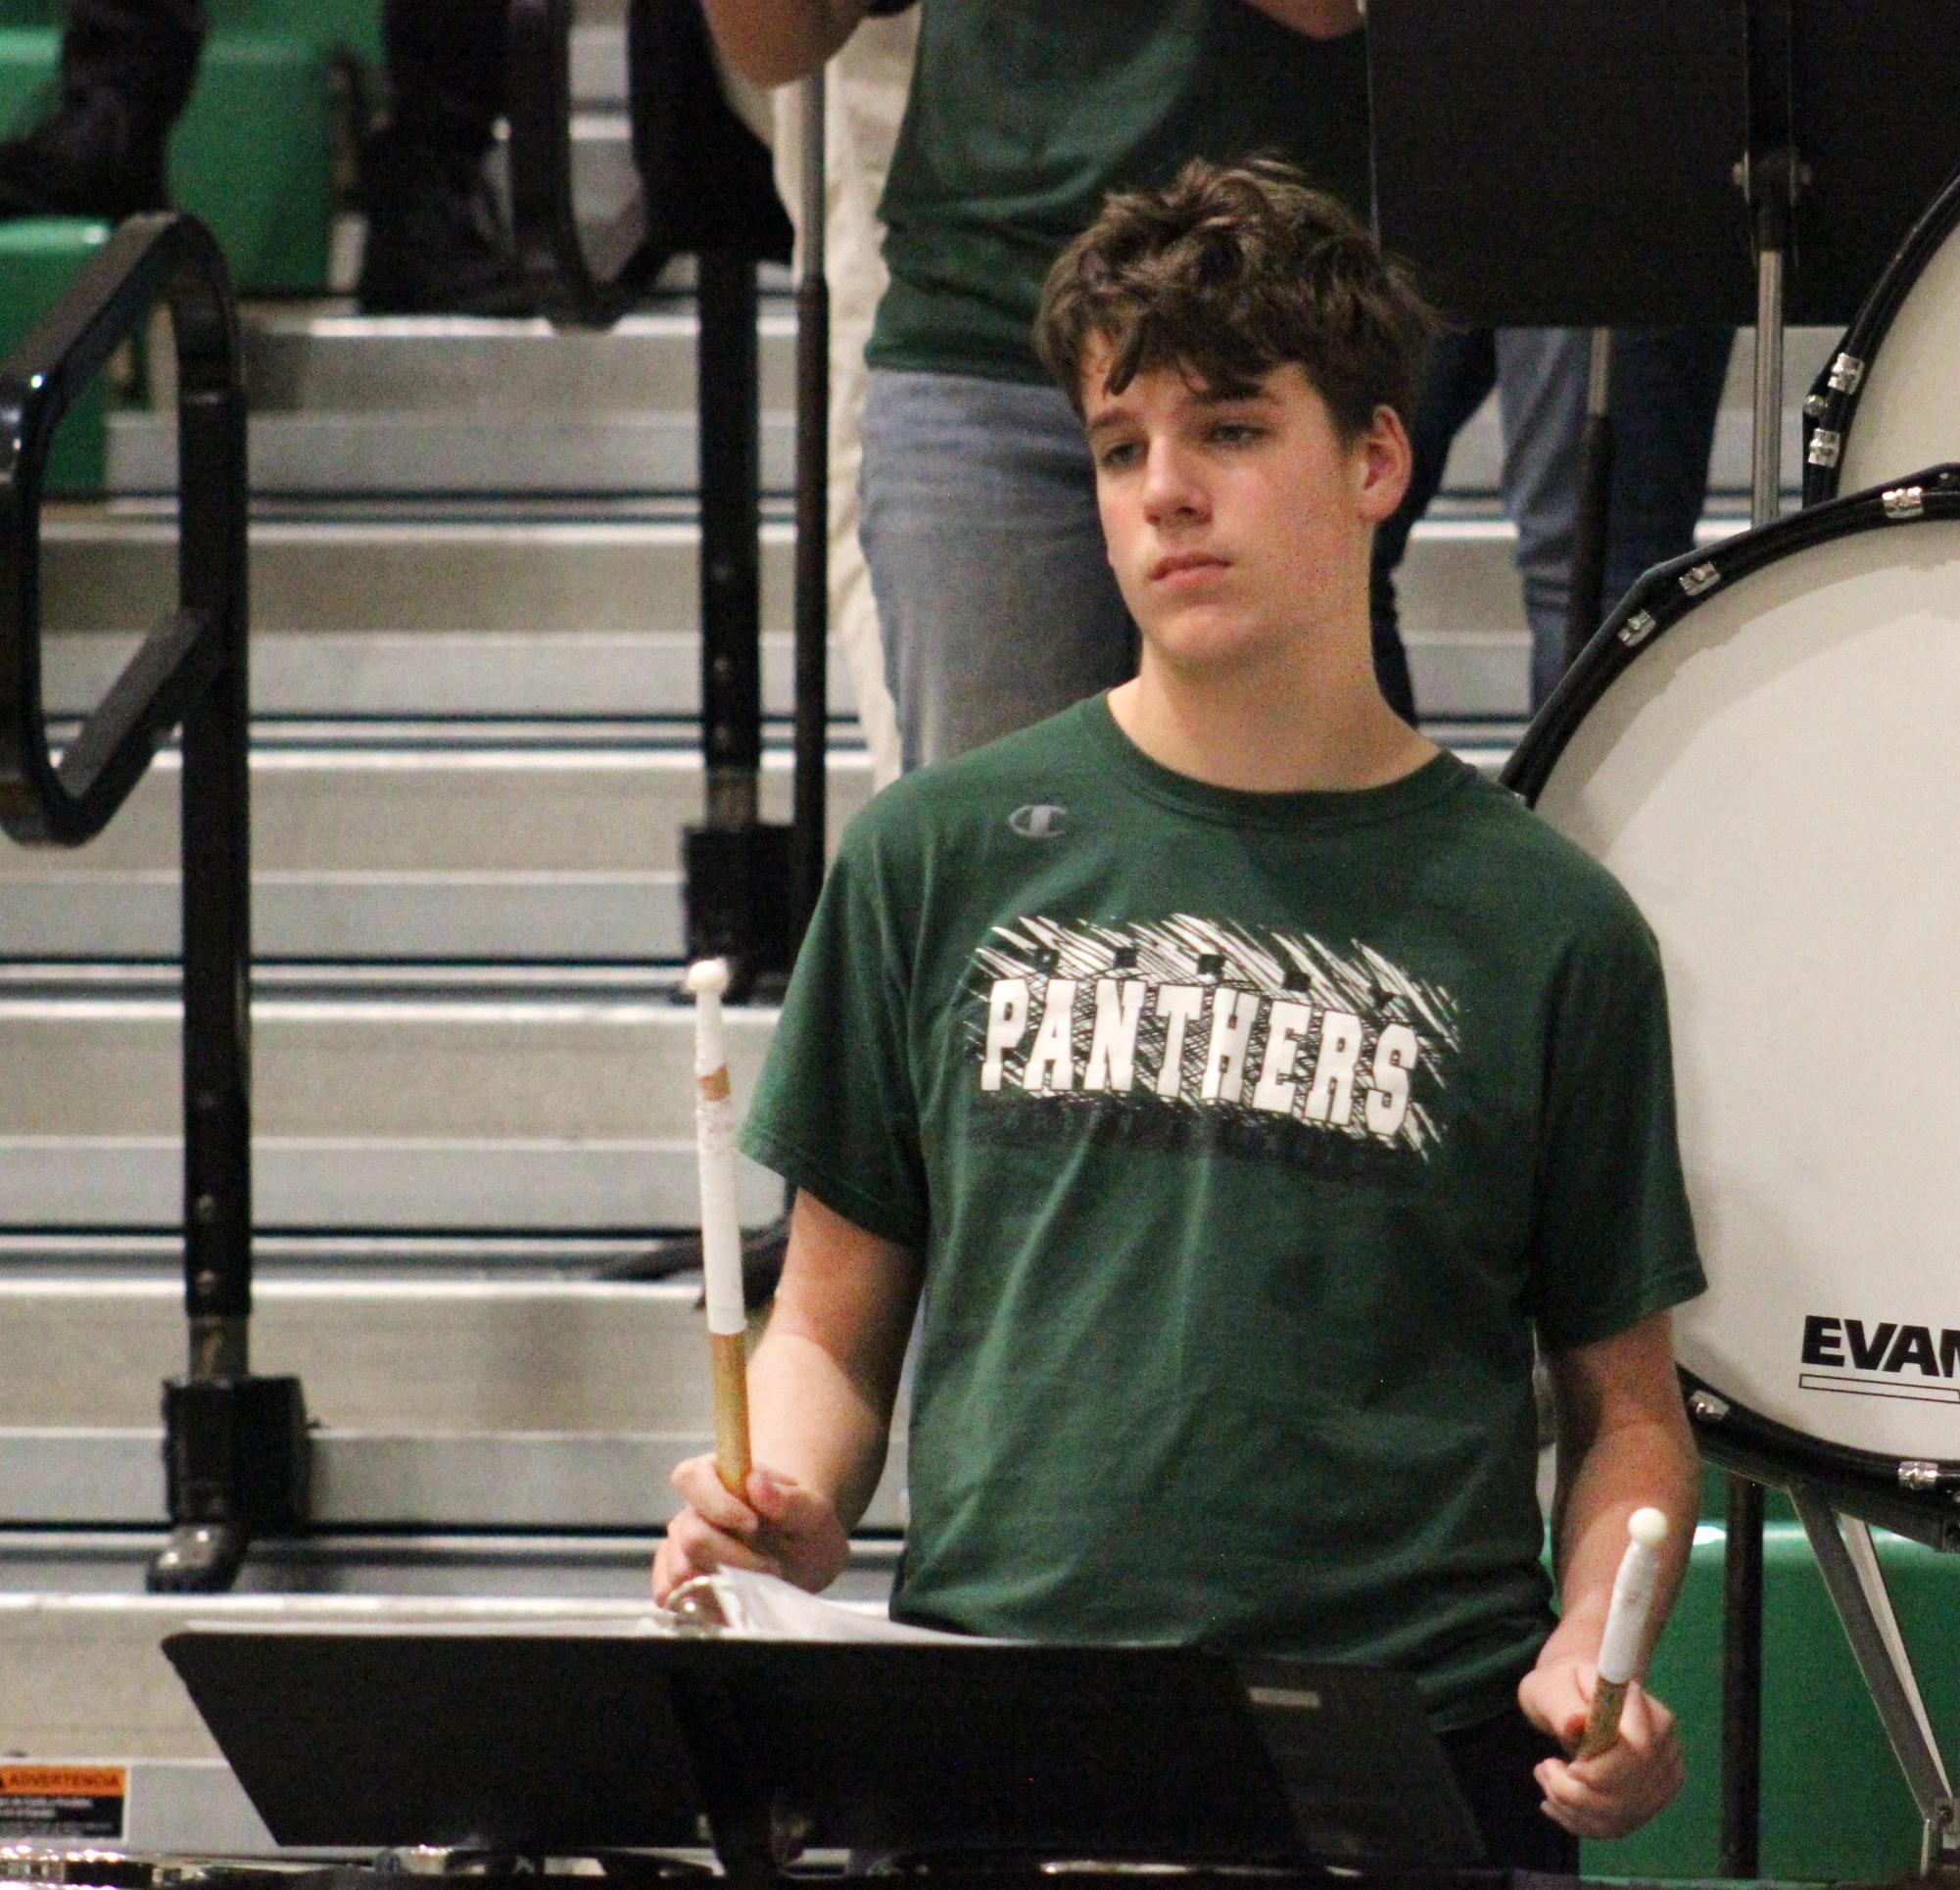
[(721, 1229), (1626, 1629)]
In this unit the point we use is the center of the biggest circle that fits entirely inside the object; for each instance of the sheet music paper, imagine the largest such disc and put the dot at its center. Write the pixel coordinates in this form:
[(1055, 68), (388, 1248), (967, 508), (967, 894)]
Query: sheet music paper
[(757, 1607)]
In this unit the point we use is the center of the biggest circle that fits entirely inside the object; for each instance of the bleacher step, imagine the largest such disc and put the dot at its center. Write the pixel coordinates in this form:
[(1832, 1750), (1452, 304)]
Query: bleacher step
[(412, 573), (549, 854), (353, 805), (333, 456), (418, 616), (325, 360), (430, 1356), (348, 405), (562, 1110)]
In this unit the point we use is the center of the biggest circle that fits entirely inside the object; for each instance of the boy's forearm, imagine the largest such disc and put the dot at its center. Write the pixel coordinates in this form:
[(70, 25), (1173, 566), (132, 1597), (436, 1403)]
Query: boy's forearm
[(775, 41), (1627, 1468), (1317, 18), (1623, 1443), (809, 1419)]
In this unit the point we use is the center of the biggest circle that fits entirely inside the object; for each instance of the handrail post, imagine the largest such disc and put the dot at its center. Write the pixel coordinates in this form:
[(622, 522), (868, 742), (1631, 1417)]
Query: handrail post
[(740, 870), (234, 1444)]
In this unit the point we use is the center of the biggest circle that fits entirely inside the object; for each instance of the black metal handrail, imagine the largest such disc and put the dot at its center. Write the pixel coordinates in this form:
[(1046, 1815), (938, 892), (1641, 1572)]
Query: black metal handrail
[(234, 1446), (150, 260)]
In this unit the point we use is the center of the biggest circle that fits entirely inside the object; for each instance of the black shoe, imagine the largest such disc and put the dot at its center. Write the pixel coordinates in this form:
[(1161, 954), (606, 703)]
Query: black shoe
[(89, 158), (435, 242)]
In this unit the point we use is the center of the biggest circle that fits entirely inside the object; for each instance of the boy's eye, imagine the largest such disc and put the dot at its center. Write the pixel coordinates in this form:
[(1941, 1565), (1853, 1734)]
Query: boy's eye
[(1117, 455), (1235, 433)]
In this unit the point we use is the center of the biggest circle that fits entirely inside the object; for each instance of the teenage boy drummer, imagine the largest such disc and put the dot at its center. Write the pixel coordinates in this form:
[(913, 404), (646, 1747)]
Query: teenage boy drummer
[(1245, 1083)]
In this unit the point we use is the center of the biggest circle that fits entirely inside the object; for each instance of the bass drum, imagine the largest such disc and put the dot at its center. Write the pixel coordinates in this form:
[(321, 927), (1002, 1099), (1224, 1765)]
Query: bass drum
[(1889, 399), (1761, 744)]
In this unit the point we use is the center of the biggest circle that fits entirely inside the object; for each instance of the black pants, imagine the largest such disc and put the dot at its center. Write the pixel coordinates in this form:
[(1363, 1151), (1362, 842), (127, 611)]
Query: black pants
[(445, 63), (144, 50), (1492, 1762)]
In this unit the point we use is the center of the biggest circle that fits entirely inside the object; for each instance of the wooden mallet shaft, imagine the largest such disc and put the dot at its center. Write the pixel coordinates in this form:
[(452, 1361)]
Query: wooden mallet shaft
[(721, 1228), (1625, 1638)]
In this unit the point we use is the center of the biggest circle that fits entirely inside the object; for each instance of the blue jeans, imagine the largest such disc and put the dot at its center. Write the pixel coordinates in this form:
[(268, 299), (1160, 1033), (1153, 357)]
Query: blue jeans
[(995, 598), (1667, 385), (996, 602)]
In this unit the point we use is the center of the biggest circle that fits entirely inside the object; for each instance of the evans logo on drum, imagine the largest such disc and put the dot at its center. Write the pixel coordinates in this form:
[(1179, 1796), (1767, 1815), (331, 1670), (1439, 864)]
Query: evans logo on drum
[(1911, 1360)]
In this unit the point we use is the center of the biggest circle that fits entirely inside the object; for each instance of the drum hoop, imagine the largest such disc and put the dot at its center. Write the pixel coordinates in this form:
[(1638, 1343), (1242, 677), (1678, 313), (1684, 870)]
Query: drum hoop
[(1866, 1483), (1832, 407), (1670, 592), (1858, 1483)]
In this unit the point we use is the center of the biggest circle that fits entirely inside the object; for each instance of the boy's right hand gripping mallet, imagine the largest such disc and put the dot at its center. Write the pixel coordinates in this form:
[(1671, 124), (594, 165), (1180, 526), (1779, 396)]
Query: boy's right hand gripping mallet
[(1626, 1630)]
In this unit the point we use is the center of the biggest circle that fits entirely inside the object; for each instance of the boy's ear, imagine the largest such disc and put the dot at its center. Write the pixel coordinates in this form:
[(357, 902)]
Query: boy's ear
[(1383, 460)]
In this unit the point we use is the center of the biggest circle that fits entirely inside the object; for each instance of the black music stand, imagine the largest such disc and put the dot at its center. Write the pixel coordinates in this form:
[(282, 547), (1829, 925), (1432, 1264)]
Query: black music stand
[(1578, 162), (572, 1740), (1573, 161), (1585, 162)]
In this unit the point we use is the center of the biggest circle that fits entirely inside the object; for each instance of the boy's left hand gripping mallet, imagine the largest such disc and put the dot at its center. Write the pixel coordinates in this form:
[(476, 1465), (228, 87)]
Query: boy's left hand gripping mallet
[(721, 1230), (1626, 1630)]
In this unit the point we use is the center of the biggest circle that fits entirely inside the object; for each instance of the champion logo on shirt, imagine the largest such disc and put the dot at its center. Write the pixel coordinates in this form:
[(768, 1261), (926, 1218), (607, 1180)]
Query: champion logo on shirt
[(1038, 821), (1188, 1019)]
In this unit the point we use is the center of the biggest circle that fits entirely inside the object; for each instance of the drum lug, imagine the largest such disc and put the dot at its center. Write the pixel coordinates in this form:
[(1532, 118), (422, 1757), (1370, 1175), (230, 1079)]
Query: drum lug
[(1846, 371), (1827, 447), (1918, 1473), (1703, 577), (1904, 502), (1709, 1408), (1638, 628)]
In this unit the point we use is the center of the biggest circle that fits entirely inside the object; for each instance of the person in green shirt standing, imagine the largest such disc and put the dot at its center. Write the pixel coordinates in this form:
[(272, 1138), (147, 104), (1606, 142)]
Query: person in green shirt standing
[(1243, 1086), (995, 603)]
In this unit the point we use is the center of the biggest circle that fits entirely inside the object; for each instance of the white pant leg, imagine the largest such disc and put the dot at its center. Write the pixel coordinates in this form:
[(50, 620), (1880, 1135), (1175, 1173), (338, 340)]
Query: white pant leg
[(867, 83)]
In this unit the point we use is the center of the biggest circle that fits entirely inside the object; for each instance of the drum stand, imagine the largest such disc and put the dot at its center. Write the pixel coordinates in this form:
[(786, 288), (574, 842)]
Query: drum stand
[(1842, 1545)]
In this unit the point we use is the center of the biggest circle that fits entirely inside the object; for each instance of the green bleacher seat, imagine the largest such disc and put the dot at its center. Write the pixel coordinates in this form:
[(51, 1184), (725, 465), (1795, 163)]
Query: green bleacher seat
[(38, 259), (252, 154), (354, 24), (29, 59), (325, 24)]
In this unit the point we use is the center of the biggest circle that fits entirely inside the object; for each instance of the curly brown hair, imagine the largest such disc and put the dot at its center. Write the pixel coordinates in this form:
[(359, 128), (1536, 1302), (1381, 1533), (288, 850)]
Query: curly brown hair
[(1229, 273)]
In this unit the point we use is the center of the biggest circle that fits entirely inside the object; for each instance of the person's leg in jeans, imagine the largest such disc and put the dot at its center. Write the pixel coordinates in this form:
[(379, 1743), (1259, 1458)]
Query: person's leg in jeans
[(1668, 392), (1463, 370), (994, 594), (1666, 389)]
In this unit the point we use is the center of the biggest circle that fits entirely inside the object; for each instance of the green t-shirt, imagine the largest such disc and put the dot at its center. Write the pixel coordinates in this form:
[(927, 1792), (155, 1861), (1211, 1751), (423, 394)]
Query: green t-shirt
[(1023, 114), (1246, 1138)]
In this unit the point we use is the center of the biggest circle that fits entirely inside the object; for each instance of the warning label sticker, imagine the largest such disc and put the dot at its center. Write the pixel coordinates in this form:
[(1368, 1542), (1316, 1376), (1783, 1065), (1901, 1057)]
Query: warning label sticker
[(63, 1801)]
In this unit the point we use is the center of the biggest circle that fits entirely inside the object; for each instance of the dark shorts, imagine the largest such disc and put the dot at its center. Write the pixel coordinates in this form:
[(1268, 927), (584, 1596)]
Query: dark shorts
[(1493, 1762)]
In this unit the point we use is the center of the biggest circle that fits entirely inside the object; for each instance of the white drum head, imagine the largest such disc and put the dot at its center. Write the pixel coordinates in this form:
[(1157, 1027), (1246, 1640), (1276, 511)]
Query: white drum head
[(1907, 413), (1776, 779)]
